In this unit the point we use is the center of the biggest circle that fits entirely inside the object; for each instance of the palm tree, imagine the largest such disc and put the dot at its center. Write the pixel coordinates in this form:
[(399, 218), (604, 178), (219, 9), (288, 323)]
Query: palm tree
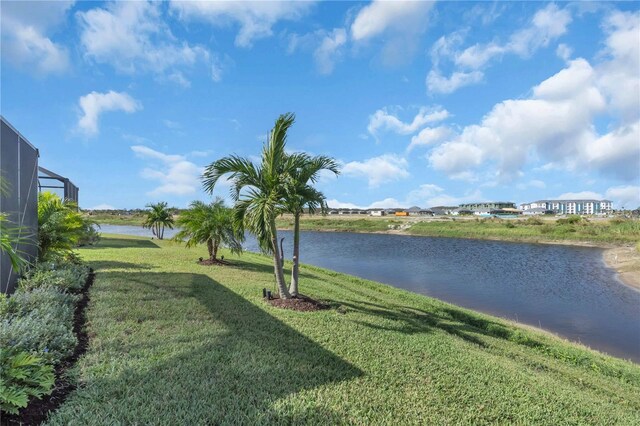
[(210, 224), (258, 191), (303, 172), (60, 226), (158, 217), (10, 233)]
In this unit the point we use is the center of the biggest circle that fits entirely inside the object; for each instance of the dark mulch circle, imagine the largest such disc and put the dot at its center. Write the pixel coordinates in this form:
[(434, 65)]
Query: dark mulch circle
[(38, 409), (300, 303), (209, 262)]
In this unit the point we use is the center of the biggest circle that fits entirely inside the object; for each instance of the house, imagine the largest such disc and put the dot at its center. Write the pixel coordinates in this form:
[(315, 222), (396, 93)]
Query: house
[(442, 210), (402, 213), (377, 212)]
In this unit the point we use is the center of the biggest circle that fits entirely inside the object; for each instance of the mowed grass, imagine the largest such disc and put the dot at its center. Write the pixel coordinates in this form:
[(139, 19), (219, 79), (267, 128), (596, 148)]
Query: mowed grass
[(173, 342)]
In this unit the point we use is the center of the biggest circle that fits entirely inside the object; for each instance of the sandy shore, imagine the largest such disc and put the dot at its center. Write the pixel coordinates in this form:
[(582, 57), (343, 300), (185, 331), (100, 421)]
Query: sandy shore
[(625, 260)]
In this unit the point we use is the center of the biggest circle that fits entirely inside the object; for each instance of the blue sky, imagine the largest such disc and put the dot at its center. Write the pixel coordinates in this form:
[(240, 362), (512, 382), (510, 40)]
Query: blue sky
[(423, 103)]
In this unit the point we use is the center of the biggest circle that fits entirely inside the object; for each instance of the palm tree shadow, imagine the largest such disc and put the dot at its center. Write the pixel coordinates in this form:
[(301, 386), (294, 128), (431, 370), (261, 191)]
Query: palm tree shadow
[(239, 367), (114, 242)]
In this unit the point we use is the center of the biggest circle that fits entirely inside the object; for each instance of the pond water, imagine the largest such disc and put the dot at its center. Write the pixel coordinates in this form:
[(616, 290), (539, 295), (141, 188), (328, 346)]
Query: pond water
[(567, 290)]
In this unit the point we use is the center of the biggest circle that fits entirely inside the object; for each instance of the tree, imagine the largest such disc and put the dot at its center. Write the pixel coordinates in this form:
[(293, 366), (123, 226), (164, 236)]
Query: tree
[(258, 191), (304, 171), (210, 224), (60, 225), (158, 217)]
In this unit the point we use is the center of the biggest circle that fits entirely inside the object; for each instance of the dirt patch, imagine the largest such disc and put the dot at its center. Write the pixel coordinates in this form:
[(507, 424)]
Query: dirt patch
[(626, 261), (209, 262), (300, 303), (38, 409)]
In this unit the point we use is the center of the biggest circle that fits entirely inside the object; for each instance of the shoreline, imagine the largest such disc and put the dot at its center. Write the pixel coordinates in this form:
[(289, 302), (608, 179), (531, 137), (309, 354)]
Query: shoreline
[(624, 259)]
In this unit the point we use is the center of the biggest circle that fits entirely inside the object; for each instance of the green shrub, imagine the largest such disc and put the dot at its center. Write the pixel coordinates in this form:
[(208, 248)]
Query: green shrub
[(573, 219), (536, 221), (39, 322), (510, 225), (44, 299), (70, 277), (23, 376)]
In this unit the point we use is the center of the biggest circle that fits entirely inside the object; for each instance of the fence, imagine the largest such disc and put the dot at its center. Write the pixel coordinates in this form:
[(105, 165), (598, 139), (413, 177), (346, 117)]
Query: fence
[(19, 170)]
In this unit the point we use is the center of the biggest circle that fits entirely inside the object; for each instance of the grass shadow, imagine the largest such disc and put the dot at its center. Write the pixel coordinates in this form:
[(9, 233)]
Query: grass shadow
[(104, 265), (114, 242), (236, 365)]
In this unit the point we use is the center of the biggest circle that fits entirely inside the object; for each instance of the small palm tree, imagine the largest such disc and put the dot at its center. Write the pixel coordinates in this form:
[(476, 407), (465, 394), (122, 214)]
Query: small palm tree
[(258, 191), (158, 218), (210, 224), (60, 225), (300, 194), (10, 233)]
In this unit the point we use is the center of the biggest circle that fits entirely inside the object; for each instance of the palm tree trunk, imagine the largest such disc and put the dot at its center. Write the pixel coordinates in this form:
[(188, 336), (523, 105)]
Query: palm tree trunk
[(293, 289), (277, 265), (215, 250), (210, 248)]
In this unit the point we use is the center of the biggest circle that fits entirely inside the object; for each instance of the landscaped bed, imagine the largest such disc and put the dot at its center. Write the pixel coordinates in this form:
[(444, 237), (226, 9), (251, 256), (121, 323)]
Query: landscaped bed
[(174, 342)]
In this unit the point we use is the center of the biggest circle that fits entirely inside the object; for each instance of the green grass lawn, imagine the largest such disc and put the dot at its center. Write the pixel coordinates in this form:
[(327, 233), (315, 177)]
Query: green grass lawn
[(173, 342)]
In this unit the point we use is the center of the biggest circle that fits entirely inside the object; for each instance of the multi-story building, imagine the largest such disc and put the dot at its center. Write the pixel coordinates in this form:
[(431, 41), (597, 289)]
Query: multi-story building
[(488, 206), (586, 207)]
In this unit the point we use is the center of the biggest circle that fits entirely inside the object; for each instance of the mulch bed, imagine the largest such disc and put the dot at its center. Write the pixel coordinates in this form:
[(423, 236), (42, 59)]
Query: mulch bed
[(209, 262), (38, 409), (300, 303)]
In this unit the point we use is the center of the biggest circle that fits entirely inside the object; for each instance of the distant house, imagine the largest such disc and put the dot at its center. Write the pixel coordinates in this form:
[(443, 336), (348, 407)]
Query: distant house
[(377, 212), (442, 210), (537, 211), (402, 213), (488, 206)]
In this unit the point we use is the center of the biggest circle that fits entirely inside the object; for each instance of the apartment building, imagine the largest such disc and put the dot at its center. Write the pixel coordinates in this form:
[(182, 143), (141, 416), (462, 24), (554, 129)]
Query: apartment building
[(586, 207)]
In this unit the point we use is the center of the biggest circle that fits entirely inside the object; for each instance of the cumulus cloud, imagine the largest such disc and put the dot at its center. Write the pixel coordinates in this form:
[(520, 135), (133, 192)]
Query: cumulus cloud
[(378, 170), (426, 195), (624, 196), (397, 24), (103, 207), (379, 17), (429, 136), (95, 103), (546, 25), (133, 37), (386, 119), (556, 123), (26, 29), (329, 50), (174, 174), (255, 19)]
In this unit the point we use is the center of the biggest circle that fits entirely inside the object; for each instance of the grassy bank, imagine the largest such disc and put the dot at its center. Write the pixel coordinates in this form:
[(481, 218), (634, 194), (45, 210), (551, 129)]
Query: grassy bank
[(597, 231), (173, 342), (112, 219)]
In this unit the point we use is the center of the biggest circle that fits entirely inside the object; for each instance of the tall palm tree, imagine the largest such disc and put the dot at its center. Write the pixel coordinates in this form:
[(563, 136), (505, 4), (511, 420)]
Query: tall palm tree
[(258, 191), (210, 224), (304, 171), (158, 217)]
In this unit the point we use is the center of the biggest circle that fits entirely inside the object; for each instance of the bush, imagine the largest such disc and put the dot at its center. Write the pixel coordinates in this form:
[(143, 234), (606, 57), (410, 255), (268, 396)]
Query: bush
[(39, 322), (534, 221), (43, 299), (573, 219), (23, 376), (510, 225), (69, 278)]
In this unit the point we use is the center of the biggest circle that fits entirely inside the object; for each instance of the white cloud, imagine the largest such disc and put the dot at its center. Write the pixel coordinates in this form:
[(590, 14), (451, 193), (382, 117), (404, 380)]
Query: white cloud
[(556, 123), (95, 103), (174, 174), (624, 196), (534, 183), (437, 83), (25, 42), (103, 207), (546, 25), (384, 119), (329, 50), (429, 136), (564, 52), (378, 170), (133, 37), (255, 19), (380, 16), (425, 196), (397, 25), (583, 195)]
